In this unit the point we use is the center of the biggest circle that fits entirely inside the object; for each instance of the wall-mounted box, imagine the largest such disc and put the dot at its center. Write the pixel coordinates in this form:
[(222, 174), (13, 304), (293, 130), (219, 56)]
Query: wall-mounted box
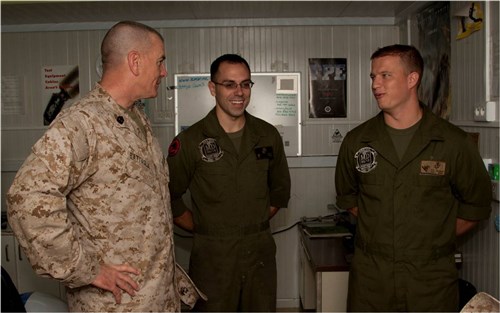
[(485, 112)]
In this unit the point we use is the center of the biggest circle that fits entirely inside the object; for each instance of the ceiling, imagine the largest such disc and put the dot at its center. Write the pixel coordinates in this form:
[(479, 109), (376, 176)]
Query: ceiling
[(51, 12)]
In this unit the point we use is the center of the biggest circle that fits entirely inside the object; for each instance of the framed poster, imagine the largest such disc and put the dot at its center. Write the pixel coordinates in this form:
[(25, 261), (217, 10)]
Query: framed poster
[(327, 88), (435, 47)]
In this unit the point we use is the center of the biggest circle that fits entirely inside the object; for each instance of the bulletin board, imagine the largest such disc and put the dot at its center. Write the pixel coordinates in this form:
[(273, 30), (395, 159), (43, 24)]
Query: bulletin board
[(275, 98)]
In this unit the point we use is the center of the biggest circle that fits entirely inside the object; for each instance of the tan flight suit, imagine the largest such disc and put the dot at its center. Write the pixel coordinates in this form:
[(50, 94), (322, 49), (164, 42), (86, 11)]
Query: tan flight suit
[(405, 238), (94, 189)]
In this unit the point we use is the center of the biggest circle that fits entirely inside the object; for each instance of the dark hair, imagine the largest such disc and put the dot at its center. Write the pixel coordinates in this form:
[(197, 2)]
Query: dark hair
[(230, 58), (409, 55)]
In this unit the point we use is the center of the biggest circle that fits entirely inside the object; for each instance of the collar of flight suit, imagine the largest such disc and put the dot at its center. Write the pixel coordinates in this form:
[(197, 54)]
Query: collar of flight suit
[(251, 136), (377, 137)]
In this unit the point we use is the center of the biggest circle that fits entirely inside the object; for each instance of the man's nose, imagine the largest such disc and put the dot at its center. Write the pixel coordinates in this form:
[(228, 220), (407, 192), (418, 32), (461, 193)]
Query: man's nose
[(163, 72), (238, 90)]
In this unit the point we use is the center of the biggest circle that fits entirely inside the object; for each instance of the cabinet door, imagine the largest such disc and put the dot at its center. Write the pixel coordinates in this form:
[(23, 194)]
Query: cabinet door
[(29, 281), (9, 256), (334, 291)]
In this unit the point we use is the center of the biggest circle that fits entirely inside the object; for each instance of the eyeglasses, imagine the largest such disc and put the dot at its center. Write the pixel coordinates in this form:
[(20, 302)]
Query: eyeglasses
[(233, 85)]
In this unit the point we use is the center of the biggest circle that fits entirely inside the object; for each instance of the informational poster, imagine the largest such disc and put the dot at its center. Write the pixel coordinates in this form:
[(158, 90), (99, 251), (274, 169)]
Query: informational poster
[(327, 88), (13, 95), (60, 85), (337, 135)]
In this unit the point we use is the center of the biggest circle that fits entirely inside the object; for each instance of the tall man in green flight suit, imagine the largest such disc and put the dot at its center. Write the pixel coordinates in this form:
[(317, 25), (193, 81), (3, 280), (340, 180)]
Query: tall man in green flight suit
[(235, 168), (415, 183)]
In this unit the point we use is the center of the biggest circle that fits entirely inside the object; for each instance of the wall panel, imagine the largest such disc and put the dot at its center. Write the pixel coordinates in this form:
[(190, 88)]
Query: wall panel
[(191, 50)]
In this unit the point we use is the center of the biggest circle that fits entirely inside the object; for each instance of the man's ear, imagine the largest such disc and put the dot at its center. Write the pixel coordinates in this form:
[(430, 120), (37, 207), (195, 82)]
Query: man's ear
[(133, 58), (211, 87), (413, 79)]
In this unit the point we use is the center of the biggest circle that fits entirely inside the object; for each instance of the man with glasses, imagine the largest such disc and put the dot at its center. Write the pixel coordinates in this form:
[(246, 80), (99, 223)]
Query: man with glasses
[(235, 168)]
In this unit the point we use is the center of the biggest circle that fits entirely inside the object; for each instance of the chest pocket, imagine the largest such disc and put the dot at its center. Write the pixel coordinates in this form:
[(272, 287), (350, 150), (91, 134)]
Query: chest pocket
[(257, 178), (372, 193), (213, 181), (432, 181), (142, 170), (371, 179)]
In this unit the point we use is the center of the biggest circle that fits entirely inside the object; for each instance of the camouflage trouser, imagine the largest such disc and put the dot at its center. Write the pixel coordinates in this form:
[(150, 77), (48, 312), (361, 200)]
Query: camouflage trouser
[(236, 273)]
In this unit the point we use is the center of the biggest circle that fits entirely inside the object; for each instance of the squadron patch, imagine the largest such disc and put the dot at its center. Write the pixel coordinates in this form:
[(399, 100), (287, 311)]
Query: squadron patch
[(174, 147), (366, 159), (210, 150)]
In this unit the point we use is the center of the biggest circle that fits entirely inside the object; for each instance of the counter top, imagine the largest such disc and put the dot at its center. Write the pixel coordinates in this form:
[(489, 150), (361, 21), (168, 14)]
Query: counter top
[(326, 254)]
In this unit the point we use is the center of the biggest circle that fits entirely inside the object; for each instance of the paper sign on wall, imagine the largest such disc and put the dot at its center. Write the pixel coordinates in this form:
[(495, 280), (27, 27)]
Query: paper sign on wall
[(60, 84)]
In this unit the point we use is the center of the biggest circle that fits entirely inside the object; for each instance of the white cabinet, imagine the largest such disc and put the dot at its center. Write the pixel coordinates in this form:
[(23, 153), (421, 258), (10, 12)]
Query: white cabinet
[(331, 291), (324, 274), (15, 262)]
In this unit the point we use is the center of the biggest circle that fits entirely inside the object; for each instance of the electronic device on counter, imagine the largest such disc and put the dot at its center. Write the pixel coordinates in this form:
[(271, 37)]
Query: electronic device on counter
[(325, 230), (321, 227)]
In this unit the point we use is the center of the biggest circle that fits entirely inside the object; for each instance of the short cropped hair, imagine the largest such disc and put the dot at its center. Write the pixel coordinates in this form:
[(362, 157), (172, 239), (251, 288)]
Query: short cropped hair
[(230, 58), (409, 55), (123, 37)]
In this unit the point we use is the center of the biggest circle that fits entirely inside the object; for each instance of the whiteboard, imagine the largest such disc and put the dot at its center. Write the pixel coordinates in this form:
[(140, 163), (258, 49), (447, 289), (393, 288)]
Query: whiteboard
[(275, 98)]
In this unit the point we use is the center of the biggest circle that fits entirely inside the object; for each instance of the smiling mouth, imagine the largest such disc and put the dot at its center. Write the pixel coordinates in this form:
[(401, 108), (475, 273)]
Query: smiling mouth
[(237, 102)]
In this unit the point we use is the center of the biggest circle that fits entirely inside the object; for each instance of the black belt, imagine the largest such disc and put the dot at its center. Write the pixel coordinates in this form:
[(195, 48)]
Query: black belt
[(232, 231), (388, 251)]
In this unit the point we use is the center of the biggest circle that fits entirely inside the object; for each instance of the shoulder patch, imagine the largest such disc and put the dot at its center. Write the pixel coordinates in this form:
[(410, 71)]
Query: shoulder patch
[(174, 147)]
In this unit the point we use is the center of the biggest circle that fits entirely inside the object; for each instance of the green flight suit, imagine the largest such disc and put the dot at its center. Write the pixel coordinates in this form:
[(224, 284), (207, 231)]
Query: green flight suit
[(233, 254), (405, 237)]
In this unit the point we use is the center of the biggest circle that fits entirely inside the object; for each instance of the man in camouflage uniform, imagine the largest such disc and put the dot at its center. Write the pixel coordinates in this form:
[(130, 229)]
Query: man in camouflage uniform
[(235, 168), (90, 205), (415, 183)]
